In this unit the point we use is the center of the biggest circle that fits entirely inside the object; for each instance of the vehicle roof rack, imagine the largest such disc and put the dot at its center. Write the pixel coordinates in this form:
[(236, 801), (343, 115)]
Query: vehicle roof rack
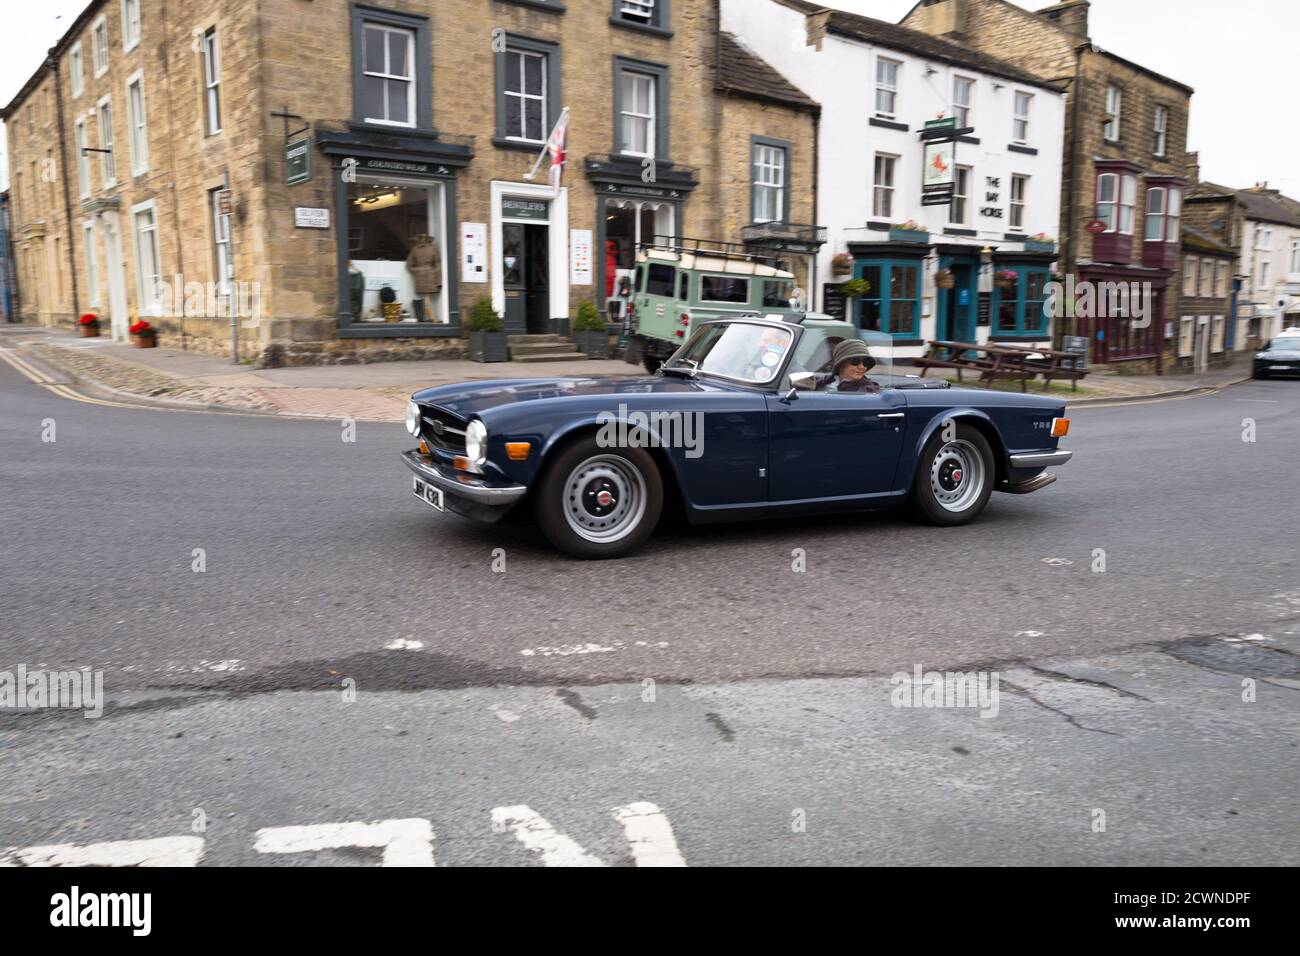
[(735, 251)]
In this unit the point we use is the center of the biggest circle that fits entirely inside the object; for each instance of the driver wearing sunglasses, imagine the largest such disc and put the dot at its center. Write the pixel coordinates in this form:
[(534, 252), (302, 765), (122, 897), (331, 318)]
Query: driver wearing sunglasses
[(851, 361)]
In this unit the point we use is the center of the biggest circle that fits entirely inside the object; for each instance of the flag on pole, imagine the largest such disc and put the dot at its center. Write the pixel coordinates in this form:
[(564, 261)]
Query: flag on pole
[(558, 147)]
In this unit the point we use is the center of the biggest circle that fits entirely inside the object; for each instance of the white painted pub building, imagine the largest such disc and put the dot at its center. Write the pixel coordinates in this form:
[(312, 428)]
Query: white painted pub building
[(972, 269)]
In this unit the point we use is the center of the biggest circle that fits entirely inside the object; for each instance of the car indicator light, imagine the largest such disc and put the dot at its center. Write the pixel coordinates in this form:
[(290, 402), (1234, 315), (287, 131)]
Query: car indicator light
[(424, 447), (518, 450), (460, 462), (1060, 427)]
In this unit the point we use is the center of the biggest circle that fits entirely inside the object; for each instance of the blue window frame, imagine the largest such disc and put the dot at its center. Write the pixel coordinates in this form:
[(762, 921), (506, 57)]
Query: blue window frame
[(894, 303), (1019, 310)]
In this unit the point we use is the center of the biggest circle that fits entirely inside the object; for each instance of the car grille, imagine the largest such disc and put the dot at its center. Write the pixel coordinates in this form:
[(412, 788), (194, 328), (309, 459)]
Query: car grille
[(441, 429)]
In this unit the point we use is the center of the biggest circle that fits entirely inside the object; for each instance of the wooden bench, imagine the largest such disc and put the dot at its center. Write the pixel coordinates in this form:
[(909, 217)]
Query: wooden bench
[(992, 362)]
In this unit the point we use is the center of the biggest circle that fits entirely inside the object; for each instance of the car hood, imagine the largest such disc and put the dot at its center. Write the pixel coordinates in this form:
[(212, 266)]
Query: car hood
[(470, 398)]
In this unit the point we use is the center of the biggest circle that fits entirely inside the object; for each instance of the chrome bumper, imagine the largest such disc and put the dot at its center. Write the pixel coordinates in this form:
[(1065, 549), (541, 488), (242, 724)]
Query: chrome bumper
[(1041, 459), (475, 489)]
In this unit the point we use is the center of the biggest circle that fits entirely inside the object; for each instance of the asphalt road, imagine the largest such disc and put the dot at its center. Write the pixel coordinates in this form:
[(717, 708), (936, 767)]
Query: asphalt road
[(702, 675)]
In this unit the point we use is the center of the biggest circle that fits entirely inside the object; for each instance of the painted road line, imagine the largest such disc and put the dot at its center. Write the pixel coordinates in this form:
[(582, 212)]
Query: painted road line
[(534, 832), (24, 369), (649, 834), (163, 851), (404, 842)]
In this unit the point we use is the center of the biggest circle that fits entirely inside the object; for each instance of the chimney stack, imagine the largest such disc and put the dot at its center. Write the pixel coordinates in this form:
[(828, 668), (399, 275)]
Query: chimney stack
[(1070, 15), (942, 18)]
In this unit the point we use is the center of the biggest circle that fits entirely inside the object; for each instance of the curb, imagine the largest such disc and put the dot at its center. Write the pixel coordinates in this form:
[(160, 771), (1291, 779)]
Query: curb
[(1168, 393)]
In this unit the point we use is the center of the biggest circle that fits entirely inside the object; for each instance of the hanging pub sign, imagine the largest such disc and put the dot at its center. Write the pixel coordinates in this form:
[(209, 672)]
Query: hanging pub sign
[(938, 177), (297, 162)]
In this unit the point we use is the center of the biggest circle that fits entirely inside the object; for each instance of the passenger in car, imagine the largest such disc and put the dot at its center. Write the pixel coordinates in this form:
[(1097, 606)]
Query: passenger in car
[(851, 361)]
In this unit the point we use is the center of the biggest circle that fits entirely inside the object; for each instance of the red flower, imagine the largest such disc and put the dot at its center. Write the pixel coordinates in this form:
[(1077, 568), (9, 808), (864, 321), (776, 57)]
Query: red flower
[(90, 318), (141, 327)]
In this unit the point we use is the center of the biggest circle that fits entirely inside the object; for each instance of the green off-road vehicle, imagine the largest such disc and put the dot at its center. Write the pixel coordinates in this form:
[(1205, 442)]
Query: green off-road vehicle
[(681, 282)]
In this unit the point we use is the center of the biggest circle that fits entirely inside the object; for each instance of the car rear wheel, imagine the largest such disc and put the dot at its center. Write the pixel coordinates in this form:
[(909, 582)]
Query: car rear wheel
[(596, 502), (954, 478)]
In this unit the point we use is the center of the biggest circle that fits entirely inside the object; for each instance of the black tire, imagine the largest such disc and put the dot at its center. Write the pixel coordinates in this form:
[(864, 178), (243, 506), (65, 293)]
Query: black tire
[(650, 362), (954, 480), (582, 468)]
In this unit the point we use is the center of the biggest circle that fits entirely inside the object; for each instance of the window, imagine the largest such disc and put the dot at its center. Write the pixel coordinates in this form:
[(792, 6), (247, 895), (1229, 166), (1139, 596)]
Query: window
[(1155, 219), (963, 97), (1295, 257), (733, 289), (148, 268), (1161, 130), (524, 93), (642, 14), (893, 304), (107, 167), (1220, 280), (83, 160), (1174, 229), (1186, 335), (1114, 100), (767, 202), (777, 293), (137, 129), (887, 86), (1117, 201), (1020, 124), (222, 260), (92, 273), (959, 211), (99, 49), (640, 108), (1216, 333), (130, 24), (212, 81), (1020, 310), (882, 200), (76, 70), (1019, 192), (1205, 287), (1263, 239), (1265, 274), (388, 76), (660, 280), (1189, 276)]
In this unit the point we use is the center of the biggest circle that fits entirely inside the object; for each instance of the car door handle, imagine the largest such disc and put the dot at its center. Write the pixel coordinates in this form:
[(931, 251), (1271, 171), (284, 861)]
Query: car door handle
[(892, 415)]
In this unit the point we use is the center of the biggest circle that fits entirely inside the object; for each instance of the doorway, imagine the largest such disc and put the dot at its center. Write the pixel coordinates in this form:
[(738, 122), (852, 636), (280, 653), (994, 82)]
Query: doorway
[(526, 270), (958, 305)]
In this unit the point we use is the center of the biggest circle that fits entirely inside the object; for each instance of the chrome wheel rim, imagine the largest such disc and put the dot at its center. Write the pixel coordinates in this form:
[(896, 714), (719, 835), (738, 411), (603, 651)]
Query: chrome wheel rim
[(604, 499), (957, 475)]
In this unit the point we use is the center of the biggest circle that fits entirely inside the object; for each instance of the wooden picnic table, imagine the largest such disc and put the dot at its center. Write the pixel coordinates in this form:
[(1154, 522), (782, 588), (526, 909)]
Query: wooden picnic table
[(999, 360)]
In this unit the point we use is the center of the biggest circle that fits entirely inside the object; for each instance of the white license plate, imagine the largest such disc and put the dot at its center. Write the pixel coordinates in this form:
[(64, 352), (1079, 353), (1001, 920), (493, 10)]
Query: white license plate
[(428, 493)]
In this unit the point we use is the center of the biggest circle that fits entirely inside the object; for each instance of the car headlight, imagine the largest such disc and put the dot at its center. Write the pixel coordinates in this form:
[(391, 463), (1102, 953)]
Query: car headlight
[(476, 442), (413, 418)]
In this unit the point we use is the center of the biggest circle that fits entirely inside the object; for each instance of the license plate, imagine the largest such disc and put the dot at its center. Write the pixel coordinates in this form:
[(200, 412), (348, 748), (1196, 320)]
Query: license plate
[(428, 493), (1281, 368)]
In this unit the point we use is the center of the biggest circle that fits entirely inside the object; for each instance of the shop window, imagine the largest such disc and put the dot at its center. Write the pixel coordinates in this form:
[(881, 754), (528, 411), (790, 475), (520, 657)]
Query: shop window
[(629, 224), (893, 304), (528, 91), (1020, 308), (391, 68)]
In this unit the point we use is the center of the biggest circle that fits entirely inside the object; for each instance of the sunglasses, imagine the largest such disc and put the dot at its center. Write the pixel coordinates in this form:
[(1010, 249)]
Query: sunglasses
[(854, 361)]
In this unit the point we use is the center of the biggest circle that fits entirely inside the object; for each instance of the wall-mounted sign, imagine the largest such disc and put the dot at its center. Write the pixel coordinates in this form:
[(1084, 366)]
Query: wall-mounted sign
[(297, 162), (473, 252), (650, 192), (524, 209), (305, 217), (939, 175), (580, 257), (372, 164), (1096, 227), (992, 194)]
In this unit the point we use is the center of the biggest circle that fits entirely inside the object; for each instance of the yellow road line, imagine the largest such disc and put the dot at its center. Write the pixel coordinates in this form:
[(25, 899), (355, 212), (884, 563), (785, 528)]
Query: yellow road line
[(28, 371)]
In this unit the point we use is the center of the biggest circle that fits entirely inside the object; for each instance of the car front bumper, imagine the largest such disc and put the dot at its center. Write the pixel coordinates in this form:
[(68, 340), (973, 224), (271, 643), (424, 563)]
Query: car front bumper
[(1041, 459), (465, 494)]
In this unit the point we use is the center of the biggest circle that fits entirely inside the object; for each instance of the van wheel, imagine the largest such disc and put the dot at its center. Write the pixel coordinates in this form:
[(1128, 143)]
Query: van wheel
[(596, 502), (954, 479), (650, 362)]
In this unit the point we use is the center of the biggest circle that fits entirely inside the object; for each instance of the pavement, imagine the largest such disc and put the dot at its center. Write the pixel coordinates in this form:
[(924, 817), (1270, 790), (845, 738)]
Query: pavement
[(379, 391), (303, 664)]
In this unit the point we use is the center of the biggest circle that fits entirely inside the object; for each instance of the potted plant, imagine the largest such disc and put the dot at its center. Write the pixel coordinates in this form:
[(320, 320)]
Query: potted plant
[(841, 264), (589, 332), (1005, 279), (89, 325), (910, 231), (1040, 243), (945, 279), (853, 289), (487, 342), (143, 335)]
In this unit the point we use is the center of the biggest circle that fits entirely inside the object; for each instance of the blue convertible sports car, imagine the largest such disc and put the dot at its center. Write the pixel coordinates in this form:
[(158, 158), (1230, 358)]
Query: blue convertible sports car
[(746, 420)]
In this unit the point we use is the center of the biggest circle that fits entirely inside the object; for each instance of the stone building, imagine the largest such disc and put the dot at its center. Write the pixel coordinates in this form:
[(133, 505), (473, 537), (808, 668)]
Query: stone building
[(268, 168), (1206, 303), (1123, 166)]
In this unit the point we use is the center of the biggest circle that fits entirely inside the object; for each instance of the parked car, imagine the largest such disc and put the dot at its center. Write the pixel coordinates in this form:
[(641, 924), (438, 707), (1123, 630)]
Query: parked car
[(1280, 356), (738, 424)]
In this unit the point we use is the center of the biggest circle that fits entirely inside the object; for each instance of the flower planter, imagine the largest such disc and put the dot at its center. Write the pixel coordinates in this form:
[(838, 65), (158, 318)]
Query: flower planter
[(842, 265), (592, 344), (488, 347), (908, 235), (144, 340), (89, 331), (1038, 245)]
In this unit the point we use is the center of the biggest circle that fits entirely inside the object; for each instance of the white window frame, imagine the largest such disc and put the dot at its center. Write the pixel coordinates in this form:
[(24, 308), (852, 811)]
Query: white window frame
[(628, 113), (1220, 279), (223, 261), (1186, 336), (99, 45), (108, 160), (1189, 276), (79, 143), (77, 70), (1174, 215), (145, 300), (211, 81), (92, 269), (130, 25), (1161, 131), (408, 77), (887, 89), (959, 208), (1265, 275), (1020, 120), (637, 11), (1216, 333), (1205, 282), (1295, 257), (1114, 112), (768, 182), (1018, 203), (1263, 239), (137, 120), (962, 111), (525, 96), (1155, 217), (1127, 204), (883, 190)]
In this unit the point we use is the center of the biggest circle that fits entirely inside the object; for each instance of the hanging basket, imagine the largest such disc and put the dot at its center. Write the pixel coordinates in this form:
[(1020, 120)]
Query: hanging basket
[(945, 280)]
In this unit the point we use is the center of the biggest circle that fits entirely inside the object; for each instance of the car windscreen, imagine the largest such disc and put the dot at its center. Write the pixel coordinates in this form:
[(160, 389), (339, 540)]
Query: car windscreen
[(738, 350), (1285, 345)]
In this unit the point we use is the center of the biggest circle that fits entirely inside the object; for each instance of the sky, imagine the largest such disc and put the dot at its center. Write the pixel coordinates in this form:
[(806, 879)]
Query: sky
[(1240, 58)]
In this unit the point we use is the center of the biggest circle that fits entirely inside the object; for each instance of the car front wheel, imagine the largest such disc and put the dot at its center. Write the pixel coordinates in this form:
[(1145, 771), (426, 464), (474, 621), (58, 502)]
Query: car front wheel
[(596, 502), (954, 478)]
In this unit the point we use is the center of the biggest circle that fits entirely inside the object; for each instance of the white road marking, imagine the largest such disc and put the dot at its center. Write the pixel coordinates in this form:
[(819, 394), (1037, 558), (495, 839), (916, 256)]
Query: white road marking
[(565, 650), (162, 851), (402, 644), (650, 835), (508, 716), (1029, 633), (534, 832), (405, 842)]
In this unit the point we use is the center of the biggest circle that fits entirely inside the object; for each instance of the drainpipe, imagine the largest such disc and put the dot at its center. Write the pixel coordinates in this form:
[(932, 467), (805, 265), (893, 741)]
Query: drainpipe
[(1068, 249), (171, 156), (53, 62), (814, 303)]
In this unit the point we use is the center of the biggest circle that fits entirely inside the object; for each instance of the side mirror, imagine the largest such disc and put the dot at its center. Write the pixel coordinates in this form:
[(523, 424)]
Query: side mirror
[(803, 382)]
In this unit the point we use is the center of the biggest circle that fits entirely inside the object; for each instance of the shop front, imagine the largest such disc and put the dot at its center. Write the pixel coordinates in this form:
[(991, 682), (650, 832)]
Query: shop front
[(530, 245), (395, 219), (1125, 321), (1020, 298)]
